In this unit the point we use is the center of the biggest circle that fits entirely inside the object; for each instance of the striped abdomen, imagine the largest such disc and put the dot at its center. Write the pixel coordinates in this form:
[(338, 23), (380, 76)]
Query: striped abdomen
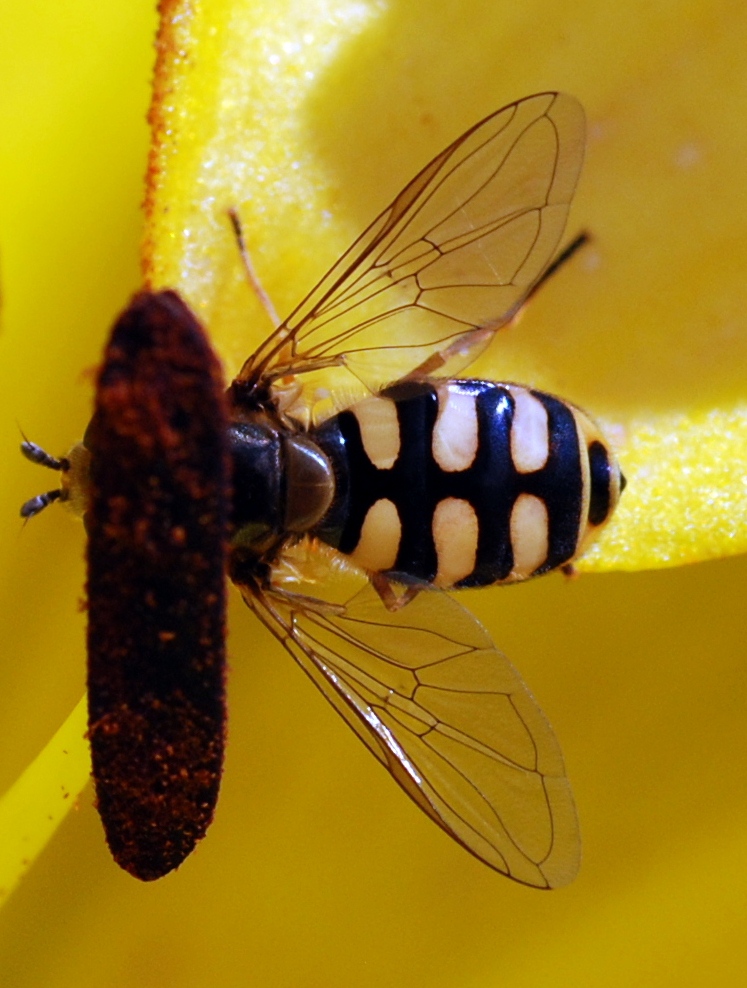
[(466, 483)]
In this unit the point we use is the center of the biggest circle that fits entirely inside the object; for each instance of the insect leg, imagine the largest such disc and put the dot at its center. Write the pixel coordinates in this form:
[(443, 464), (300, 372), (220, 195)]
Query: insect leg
[(469, 346), (251, 274), (566, 254), (389, 596)]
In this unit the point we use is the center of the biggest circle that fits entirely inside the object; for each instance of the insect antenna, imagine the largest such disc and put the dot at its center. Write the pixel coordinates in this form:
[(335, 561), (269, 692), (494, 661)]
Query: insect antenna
[(38, 455), (36, 504)]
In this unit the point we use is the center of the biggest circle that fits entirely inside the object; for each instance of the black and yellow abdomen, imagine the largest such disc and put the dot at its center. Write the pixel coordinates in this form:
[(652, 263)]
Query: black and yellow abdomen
[(465, 483)]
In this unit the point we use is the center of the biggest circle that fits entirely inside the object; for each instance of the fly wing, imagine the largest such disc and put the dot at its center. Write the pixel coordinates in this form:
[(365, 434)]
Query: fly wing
[(447, 714), (457, 250)]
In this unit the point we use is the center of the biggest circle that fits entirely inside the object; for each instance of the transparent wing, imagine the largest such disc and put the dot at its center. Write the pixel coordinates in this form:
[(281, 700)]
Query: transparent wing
[(447, 714), (459, 248)]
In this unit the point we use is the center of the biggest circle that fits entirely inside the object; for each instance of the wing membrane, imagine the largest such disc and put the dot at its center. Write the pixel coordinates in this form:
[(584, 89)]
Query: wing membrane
[(459, 248), (446, 713)]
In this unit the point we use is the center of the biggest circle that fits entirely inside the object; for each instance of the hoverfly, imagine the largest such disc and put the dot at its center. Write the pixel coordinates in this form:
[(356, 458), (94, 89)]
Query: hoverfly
[(431, 483)]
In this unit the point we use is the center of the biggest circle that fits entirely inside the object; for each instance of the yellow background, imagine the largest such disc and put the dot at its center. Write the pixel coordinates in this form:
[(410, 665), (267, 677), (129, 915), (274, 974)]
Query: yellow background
[(317, 871)]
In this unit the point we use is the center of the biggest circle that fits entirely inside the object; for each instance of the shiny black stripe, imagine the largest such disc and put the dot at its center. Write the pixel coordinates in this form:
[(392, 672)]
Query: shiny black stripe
[(416, 483), (490, 485), (559, 483), (415, 479), (493, 484), (340, 438), (601, 478), (411, 483), (333, 442)]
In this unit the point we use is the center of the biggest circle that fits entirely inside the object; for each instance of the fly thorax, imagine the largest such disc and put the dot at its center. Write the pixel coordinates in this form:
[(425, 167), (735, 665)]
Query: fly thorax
[(282, 482), (255, 450), (309, 483)]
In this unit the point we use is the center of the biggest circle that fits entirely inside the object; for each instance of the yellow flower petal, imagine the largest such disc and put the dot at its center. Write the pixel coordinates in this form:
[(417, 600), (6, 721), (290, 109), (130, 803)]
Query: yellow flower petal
[(38, 802), (241, 122), (317, 870), (71, 164), (687, 493)]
